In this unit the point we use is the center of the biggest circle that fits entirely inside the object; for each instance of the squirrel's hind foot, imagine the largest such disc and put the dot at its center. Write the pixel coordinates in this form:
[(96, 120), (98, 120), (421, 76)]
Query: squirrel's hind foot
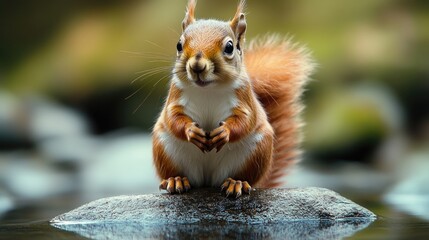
[(235, 188), (175, 185)]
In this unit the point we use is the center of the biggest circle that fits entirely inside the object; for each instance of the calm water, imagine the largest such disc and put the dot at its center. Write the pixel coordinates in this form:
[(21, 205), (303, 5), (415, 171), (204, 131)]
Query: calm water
[(32, 222)]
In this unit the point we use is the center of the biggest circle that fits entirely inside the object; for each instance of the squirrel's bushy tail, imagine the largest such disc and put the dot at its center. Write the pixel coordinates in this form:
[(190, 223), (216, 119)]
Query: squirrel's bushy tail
[(279, 71)]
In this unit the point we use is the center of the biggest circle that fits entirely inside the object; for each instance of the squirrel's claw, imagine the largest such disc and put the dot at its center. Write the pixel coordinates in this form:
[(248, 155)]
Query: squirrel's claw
[(175, 185), (235, 188), (163, 185), (218, 137), (197, 136)]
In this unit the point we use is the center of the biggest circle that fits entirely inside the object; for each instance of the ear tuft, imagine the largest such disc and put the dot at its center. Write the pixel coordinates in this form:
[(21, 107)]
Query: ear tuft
[(238, 23), (190, 13)]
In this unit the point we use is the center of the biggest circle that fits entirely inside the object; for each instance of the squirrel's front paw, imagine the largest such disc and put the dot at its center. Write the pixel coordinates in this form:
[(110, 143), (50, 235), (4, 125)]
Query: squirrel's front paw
[(175, 185), (197, 136), (235, 188), (218, 137)]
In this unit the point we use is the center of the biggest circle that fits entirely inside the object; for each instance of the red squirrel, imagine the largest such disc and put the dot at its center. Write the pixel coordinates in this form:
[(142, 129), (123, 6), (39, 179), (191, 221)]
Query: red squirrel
[(231, 118)]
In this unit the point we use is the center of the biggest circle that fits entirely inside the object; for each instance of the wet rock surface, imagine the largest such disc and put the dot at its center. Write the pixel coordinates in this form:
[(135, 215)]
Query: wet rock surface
[(291, 213), (206, 205)]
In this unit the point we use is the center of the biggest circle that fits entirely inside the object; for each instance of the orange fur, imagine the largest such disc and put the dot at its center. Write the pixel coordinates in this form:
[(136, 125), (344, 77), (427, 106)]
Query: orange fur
[(174, 121), (244, 116), (163, 164), (259, 163), (173, 116), (278, 71)]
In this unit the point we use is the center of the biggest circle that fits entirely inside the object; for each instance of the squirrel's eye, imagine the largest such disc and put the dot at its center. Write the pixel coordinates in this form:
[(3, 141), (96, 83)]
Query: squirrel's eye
[(229, 47), (179, 47)]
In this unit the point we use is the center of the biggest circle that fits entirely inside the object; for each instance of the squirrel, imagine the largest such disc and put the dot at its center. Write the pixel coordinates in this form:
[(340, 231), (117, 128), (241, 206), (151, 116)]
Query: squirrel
[(231, 117)]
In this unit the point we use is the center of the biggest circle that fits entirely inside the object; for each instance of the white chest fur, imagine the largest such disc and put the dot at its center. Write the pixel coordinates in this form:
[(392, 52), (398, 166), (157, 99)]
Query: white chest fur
[(208, 107)]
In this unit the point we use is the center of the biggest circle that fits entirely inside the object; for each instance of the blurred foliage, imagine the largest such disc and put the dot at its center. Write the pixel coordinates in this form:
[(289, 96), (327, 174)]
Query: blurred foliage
[(88, 54)]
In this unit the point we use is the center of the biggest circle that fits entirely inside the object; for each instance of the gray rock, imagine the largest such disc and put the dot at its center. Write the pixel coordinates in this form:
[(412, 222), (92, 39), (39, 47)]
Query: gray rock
[(206, 213)]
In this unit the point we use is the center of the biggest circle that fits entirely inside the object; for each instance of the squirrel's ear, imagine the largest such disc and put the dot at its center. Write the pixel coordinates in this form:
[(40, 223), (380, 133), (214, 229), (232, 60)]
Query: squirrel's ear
[(189, 16), (238, 23)]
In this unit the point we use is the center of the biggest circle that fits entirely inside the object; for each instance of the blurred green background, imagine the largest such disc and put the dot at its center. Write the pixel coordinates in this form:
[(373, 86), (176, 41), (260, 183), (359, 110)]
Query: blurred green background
[(75, 117)]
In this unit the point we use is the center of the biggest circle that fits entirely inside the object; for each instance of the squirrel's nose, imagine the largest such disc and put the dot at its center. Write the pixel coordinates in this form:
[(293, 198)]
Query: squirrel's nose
[(198, 68)]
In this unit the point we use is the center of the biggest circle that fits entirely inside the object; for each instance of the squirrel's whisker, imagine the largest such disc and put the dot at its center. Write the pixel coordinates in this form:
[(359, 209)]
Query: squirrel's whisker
[(154, 44)]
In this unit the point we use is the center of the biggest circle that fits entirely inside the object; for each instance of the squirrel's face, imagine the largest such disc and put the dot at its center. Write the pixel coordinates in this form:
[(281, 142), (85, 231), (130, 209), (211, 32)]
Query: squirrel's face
[(208, 54), (209, 51)]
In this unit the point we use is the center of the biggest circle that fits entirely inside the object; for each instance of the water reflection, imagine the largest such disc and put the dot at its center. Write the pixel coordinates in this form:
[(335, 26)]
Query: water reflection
[(288, 230)]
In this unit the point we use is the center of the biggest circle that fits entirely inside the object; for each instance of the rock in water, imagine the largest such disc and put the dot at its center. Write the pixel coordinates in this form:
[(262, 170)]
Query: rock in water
[(274, 213)]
